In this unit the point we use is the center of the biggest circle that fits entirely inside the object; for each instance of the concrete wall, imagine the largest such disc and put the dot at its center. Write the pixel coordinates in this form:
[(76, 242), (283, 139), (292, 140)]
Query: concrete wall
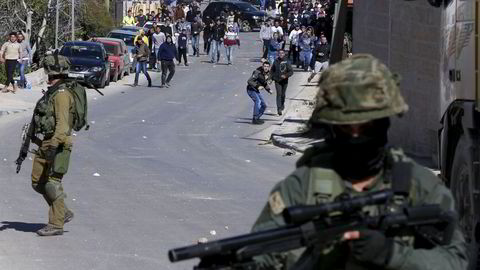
[(406, 37)]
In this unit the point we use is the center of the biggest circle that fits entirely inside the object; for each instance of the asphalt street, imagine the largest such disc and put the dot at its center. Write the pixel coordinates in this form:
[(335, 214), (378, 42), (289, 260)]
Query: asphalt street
[(159, 168)]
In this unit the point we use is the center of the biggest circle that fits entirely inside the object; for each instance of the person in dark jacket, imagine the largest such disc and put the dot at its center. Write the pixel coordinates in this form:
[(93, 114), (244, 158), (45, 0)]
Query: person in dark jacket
[(182, 47), (281, 70), (322, 56), (218, 32), (207, 32), (143, 54), (197, 28), (259, 80), (166, 54)]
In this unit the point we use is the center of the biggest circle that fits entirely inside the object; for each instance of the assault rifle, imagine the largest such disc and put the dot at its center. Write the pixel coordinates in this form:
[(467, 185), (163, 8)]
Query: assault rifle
[(27, 137), (317, 226)]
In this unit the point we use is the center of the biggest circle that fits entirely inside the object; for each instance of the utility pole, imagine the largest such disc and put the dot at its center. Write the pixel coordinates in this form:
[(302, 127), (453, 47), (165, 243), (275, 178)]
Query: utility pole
[(57, 17), (73, 20), (107, 6)]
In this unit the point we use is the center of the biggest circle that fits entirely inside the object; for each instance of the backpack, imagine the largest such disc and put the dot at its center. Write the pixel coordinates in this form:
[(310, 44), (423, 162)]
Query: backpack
[(81, 108)]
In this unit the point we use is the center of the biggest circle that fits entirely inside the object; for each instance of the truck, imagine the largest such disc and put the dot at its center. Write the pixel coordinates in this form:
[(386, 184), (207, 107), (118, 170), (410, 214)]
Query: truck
[(434, 46)]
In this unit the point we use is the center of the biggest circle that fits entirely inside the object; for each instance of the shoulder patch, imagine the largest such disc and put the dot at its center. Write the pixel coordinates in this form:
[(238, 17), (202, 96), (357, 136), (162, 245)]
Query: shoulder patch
[(276, 203)]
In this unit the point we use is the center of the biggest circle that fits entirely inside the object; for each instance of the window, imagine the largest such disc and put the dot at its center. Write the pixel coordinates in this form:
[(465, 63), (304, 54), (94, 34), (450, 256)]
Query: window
[(82, 51)]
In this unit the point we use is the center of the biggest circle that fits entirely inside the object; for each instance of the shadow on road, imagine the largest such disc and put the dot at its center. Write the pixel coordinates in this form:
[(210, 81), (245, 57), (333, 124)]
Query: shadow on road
[(21, 226)]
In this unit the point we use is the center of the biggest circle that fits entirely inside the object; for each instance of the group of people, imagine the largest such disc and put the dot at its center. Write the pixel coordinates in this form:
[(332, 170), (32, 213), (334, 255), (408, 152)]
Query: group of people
[(158, 47), (262, 77), (16, 54)]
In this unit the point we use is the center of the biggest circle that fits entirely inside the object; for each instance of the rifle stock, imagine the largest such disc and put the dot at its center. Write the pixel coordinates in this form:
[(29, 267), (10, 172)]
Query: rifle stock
[(317, 228)]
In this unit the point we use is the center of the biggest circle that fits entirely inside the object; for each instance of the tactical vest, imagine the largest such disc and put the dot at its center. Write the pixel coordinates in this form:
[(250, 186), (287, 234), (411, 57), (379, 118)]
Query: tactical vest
[(44, 112), (325, 185)]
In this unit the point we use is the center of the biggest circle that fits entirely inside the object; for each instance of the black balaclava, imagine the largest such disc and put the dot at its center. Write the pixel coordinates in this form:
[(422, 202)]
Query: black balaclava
[(356, 158)]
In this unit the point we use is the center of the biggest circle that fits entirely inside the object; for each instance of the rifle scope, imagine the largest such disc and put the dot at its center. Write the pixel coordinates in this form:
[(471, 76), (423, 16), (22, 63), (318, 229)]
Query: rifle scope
[(302, 214)]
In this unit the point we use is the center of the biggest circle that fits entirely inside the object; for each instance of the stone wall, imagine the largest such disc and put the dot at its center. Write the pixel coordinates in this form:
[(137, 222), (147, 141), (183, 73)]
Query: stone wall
[(405, 35)]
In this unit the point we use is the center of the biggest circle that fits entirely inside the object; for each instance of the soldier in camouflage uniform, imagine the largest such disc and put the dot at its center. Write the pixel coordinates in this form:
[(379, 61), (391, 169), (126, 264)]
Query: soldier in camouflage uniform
[(355, 100), (53, 118)]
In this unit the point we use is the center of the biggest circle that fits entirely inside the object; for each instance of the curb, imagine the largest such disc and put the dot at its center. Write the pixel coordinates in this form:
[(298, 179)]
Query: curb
[(293, 132)]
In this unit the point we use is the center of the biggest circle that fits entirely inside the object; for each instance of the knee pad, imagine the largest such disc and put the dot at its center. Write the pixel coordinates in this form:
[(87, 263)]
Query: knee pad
[(39, 187), (53, 190)]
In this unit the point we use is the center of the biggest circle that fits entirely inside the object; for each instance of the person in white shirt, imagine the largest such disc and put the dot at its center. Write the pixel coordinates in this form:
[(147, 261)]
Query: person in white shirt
[(277, 29), (230, 41), (158, 39), (293, 38)]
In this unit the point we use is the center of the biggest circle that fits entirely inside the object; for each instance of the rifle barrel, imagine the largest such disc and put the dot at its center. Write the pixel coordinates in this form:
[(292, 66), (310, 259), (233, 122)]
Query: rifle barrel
[(228, 245)]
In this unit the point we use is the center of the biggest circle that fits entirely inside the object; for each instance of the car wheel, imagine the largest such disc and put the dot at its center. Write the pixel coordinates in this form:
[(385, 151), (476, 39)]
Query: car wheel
[(461, 184), (246, 26)]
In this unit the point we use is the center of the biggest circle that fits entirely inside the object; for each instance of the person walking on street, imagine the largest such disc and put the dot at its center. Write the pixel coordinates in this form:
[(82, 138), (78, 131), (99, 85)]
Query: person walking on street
[(322, 56), (158, 39), (293, 37), (265, 36), (273, 47), (141, 35), (10, 55), (55, 118), (231, 40), (358, 98), (217, 39), (207, 33), (259, 81), (281, 70), (166, 54), (197, 28), (305, 46), (182, 47), (141, 19), (142, 56), (129, 20), (25, 58)]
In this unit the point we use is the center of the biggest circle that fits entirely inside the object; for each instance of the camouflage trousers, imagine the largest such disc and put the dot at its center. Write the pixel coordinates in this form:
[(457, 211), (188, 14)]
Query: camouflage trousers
[(49, 183)]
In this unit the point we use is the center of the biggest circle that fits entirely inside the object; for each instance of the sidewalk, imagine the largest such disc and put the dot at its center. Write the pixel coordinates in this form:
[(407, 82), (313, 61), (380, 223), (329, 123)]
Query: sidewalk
[(293, 132), (23, 99)]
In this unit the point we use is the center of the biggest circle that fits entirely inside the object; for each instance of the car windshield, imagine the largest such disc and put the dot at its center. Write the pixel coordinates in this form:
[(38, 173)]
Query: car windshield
[(246, 7), (82, 51), (110, 48), (128, 39)]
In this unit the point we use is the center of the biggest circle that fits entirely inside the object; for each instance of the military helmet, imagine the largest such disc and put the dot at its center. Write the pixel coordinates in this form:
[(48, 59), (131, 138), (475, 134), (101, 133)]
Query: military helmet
[(55, 64), (357, 90)]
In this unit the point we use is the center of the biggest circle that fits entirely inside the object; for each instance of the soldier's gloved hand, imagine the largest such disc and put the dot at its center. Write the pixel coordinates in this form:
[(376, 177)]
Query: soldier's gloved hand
[(372, 246), (50, 153)]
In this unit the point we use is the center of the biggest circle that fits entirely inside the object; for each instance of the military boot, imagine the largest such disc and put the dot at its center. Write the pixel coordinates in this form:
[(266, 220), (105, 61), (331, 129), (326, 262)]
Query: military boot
[(68, 216), (50, 230)]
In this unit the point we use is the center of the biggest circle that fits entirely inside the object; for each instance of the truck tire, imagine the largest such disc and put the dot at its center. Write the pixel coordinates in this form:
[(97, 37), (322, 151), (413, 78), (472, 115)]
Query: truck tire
[(461, 184)]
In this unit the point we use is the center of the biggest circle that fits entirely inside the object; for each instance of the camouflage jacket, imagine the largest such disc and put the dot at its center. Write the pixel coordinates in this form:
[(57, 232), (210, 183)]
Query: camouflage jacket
[(314, 182)]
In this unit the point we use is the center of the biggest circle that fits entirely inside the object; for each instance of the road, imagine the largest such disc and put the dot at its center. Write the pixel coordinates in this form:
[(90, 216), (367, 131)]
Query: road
[(173, 165)]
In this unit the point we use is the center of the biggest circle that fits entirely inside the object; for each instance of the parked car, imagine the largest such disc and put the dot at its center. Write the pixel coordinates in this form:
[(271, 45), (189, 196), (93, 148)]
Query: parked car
[(128, 37), (255, 3), (125, 55), (115, 57), (89, 62), (251, 16)]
